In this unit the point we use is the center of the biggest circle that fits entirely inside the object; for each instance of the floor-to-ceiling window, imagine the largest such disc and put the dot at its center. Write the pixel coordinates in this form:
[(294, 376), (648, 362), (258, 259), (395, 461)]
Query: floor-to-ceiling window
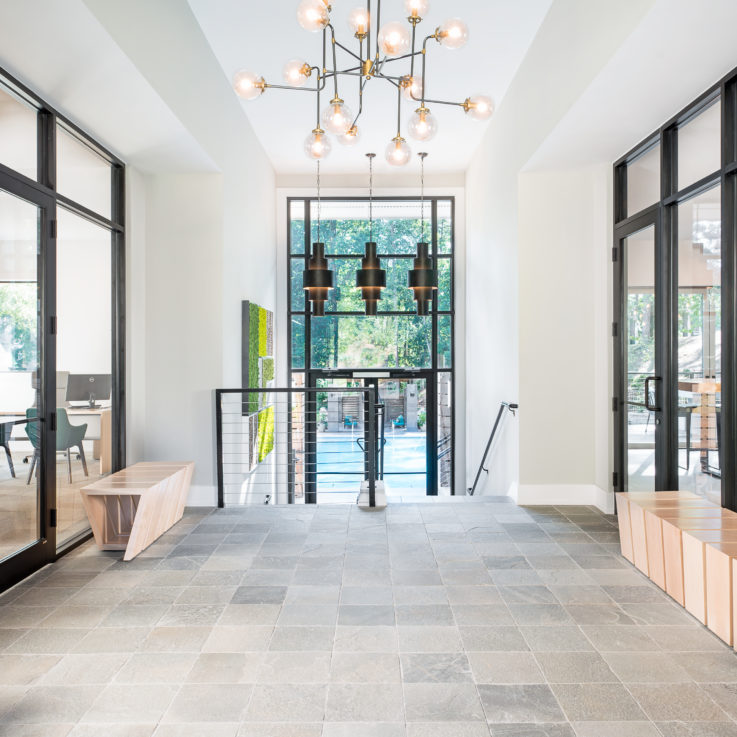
[(675, 370), (407, 358), (61, 312)]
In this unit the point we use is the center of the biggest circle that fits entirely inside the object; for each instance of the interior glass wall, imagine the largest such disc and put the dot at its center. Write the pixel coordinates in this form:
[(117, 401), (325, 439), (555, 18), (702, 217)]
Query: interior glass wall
[(61, 304), (673, 309)]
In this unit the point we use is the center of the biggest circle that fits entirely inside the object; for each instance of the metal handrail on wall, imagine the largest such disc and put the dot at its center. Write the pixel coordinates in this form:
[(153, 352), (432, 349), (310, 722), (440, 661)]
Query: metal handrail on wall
[(287, 412), (504, 405)]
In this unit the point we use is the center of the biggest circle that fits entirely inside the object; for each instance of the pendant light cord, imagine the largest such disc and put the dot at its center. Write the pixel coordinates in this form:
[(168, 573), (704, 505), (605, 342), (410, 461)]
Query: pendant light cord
[(318, 201), (371, 197), (422, 192)]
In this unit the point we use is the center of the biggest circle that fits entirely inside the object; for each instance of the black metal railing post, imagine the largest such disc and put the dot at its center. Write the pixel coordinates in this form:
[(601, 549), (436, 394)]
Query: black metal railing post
[(219, 446), (372, 448)]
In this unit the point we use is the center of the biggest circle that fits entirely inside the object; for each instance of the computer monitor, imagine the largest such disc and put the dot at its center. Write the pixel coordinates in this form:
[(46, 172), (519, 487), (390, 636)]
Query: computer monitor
[(89, 388)]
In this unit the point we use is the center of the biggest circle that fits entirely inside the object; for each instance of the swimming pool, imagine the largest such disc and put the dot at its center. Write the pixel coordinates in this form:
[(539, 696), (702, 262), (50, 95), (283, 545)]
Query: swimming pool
[(340, 462)]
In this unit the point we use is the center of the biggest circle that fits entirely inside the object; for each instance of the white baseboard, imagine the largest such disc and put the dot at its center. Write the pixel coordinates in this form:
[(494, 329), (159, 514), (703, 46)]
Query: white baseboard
[(564, 494), (202, 496)]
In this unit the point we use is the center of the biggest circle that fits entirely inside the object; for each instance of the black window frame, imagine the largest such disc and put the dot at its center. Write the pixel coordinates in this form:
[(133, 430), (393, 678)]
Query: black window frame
[(433, 370), (43, 189), (665, 212)]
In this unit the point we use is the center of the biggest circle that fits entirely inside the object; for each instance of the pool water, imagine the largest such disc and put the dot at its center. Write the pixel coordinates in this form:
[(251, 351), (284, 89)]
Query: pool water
[(340, 462)]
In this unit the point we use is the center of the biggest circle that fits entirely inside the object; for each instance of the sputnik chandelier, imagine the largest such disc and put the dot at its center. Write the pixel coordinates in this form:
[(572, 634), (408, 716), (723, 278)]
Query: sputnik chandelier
[(379, 50)]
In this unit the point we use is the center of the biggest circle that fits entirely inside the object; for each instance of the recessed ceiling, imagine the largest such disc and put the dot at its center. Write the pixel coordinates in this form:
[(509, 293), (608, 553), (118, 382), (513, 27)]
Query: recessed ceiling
[(263, 36)]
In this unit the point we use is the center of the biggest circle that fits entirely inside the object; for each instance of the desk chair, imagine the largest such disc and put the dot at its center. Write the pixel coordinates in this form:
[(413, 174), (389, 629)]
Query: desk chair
[(6, 428), (68, 436)]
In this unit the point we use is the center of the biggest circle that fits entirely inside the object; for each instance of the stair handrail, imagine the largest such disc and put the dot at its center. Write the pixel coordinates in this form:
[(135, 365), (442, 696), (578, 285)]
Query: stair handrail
[(504, 405)]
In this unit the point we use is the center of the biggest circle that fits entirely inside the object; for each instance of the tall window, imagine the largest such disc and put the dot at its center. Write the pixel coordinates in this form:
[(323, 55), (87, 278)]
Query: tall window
[(396, 340)]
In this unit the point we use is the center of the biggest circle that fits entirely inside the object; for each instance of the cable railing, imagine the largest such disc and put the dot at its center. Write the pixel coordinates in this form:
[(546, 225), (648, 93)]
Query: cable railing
[(503, 406), (275, 447)]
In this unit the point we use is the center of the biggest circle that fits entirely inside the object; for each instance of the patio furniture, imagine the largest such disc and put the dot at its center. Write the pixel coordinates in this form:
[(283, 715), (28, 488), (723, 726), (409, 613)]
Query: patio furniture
[(6, 428), (399, 422), (349, 421)]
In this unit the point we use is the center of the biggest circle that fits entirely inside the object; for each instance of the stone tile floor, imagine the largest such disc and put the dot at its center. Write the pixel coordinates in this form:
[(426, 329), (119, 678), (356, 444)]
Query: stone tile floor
[(470, 618)]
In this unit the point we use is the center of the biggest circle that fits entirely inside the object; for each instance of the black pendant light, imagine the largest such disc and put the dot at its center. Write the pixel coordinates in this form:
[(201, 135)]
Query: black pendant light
[(423, 278), (317, 278), (371, 278)]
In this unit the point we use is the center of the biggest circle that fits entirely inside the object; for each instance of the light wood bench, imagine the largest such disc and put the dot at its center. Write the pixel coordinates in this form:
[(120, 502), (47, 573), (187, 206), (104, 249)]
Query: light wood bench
[(130, 509), (687, 546)]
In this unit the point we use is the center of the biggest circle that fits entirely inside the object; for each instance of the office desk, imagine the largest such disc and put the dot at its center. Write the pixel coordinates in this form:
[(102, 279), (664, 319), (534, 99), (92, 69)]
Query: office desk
[(102, 445)]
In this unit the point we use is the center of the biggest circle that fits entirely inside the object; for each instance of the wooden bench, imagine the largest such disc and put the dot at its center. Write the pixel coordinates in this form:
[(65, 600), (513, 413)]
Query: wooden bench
[(688, 547), (130, 509)]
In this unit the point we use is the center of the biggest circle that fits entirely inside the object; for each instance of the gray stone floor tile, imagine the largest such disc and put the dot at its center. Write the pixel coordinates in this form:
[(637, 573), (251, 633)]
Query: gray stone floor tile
[(356, 729), (204, 702), (555, 638), (354, 702), (605, 702), (685, 702), (287, 703), (697, 729), (442, 702), (365, 668), (575, 667), (646, 667), (505, 667), (520, 703), (616, 729), (447, 729), (364, 616), (436, 668), (153, 668), (131, 704), (532, 730), (429, 639)]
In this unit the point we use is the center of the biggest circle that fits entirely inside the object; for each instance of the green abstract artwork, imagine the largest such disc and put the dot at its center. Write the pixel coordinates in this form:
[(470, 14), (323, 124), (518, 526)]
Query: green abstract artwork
[(258, 372)]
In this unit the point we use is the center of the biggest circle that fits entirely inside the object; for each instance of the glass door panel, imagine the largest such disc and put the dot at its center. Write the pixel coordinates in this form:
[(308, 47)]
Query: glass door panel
[(638, 338), (20, 435), (83, 366), (699, 379), (405, 434)]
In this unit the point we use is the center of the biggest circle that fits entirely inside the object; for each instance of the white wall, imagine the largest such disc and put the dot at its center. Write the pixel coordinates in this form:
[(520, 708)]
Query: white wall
[(209, 242), (564, 238), (573, 44)]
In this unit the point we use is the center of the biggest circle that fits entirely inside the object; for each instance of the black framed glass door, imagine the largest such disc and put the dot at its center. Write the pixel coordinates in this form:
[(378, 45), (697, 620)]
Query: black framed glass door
[(642, 358), (406, 437), (27, 355)]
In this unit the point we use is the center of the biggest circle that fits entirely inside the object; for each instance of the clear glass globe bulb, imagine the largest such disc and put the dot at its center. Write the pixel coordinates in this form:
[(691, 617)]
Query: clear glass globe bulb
[(398, 152), (248, 85), (296, 72), (337, 118), (394, 39), (479, 107), (423, 125), (313, 15), (358, 21), (453, 33), (413, 91), (416, 8), (317, 144), (351, 137)]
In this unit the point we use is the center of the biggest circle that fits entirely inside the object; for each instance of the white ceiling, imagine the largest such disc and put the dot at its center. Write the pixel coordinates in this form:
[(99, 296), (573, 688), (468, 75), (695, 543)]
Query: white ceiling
[(262, 36)]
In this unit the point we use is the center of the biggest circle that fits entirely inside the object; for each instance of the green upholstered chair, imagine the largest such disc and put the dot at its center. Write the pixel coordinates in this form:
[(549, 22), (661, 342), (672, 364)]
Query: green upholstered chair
[(6, 428), (68, 436)]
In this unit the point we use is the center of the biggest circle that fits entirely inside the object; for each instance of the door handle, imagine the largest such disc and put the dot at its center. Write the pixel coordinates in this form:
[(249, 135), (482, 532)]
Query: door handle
[(648, 405)]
